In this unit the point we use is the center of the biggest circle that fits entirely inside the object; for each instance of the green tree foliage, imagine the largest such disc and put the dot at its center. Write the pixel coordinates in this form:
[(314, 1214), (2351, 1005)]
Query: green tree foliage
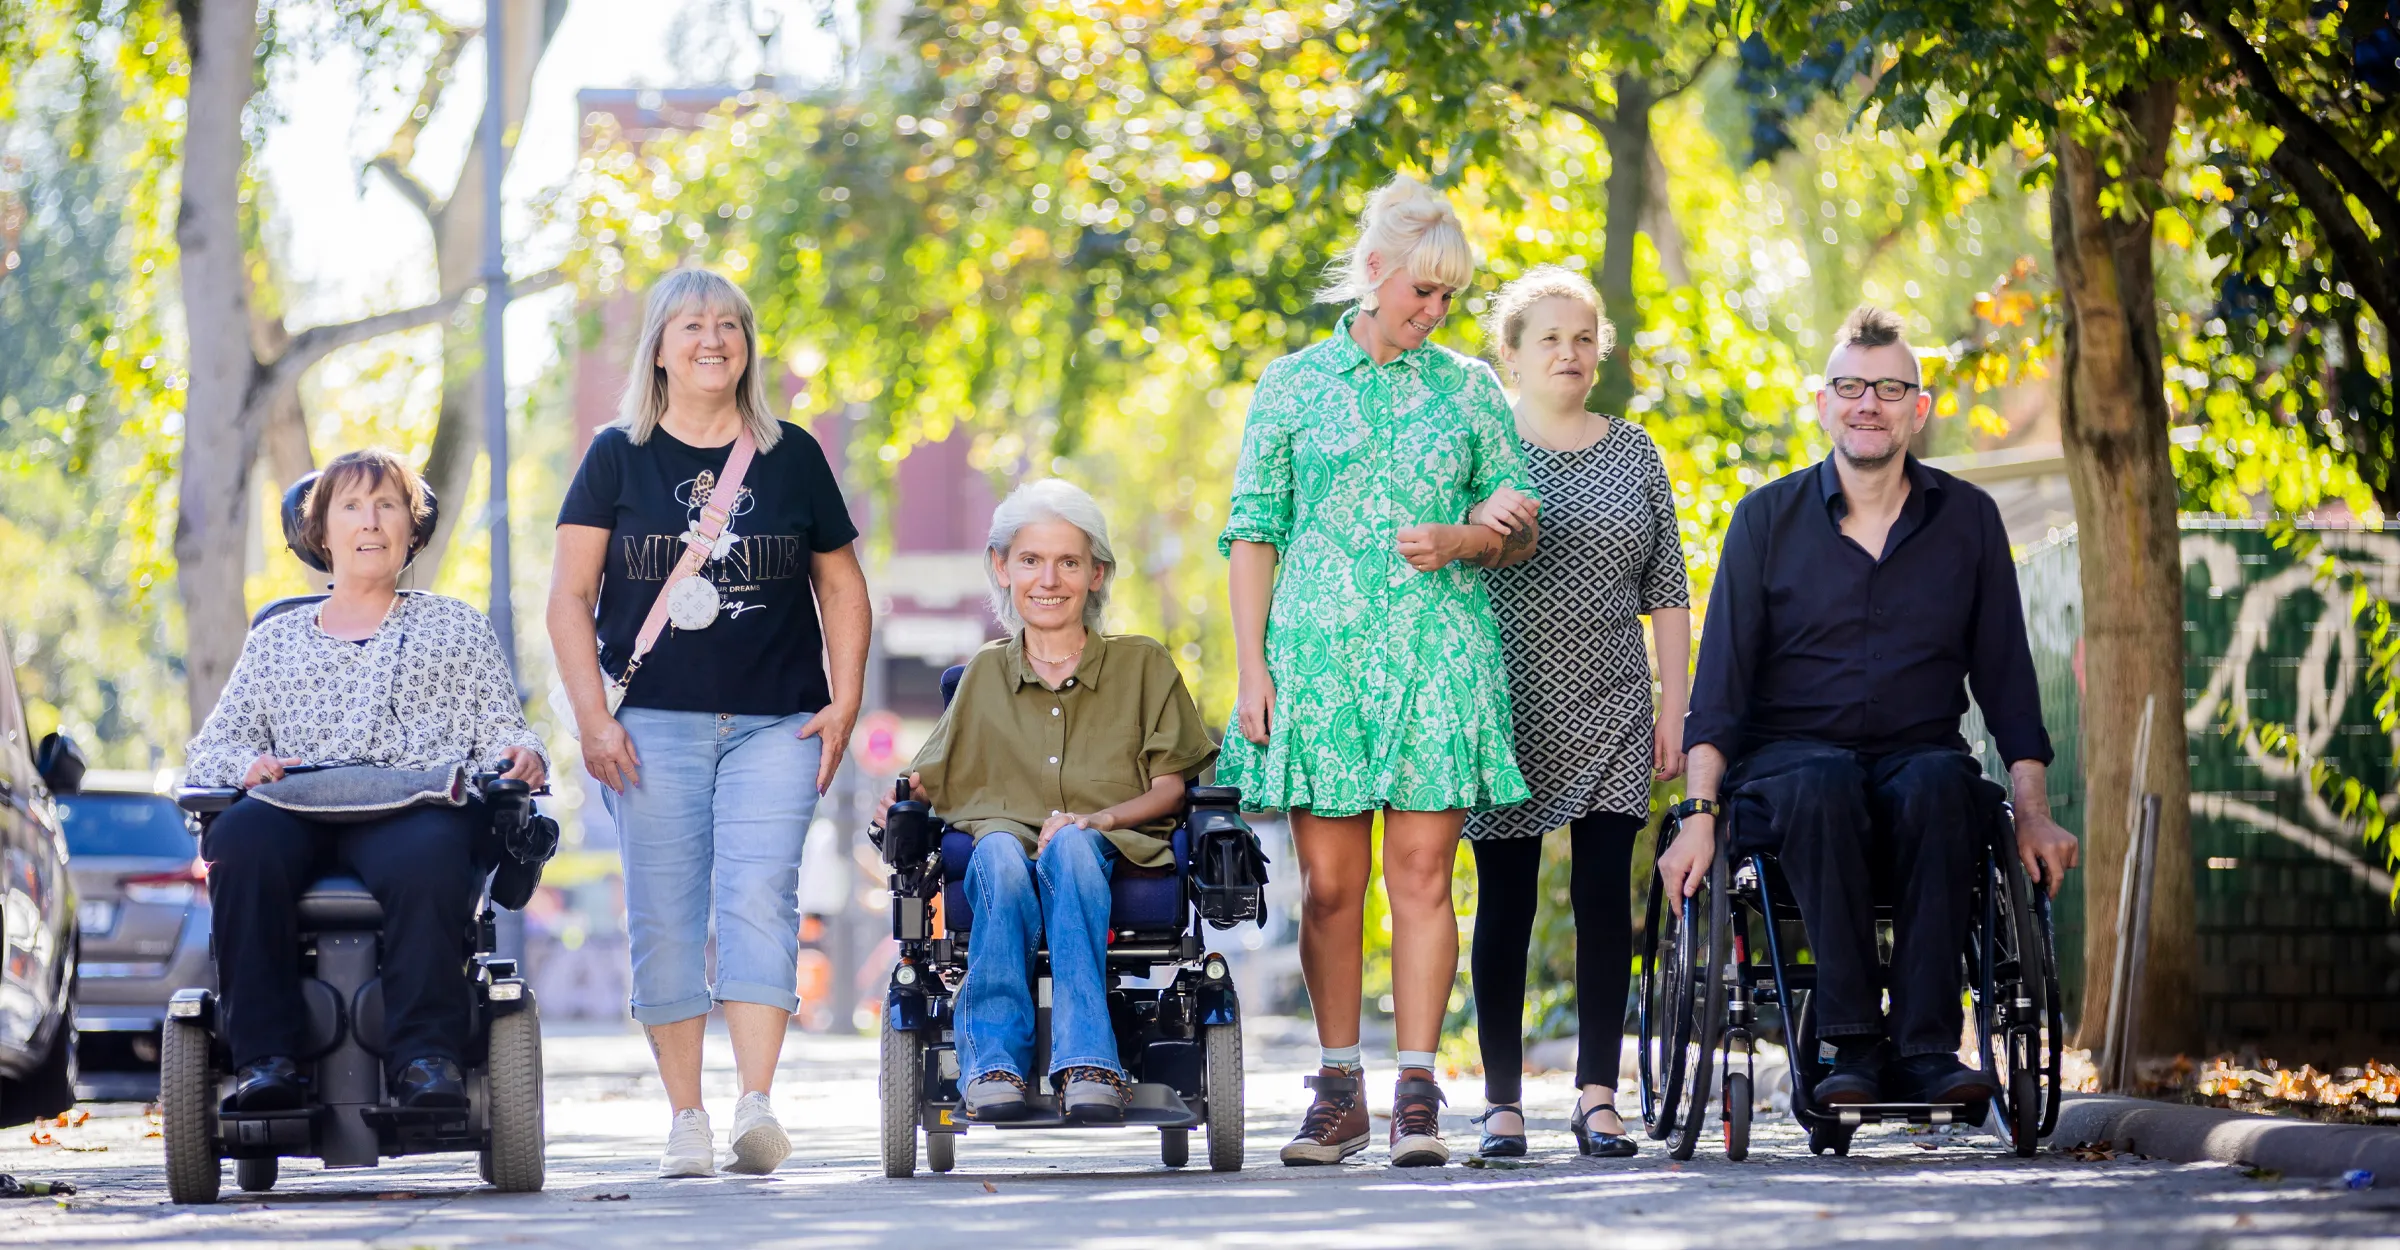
[(1073, 232), (87, 390)]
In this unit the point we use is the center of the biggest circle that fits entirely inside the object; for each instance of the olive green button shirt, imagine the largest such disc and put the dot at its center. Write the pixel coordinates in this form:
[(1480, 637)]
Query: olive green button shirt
[(1010, 750)]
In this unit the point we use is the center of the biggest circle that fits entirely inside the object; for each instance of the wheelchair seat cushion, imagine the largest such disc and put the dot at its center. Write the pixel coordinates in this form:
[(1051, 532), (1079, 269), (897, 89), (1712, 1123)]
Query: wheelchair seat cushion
[(1145, 900), (339, 901)]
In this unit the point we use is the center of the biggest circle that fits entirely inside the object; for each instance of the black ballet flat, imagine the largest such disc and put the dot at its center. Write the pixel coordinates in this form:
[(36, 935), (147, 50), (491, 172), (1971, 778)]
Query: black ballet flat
[(1599, 1145), (1501, 1145)]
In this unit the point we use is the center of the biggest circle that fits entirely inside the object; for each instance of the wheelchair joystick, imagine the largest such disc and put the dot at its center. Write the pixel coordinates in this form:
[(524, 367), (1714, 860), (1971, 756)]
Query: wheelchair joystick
[(912, 840)]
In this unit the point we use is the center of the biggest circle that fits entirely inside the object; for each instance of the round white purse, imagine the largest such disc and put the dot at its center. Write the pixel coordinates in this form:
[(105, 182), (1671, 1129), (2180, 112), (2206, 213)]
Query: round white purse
[(692, 602)]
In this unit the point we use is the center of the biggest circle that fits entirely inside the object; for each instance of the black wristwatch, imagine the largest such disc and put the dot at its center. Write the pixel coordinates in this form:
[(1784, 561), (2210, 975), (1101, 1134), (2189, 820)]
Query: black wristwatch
[(1693, 807)]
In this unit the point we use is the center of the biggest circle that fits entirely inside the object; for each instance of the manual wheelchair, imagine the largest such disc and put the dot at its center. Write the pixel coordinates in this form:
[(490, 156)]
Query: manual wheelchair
[(1180, 1043), (349, 1122), (1706, 974)]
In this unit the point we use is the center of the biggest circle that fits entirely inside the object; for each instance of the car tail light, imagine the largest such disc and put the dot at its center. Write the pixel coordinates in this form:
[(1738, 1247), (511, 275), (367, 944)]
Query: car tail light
[(175, 887)]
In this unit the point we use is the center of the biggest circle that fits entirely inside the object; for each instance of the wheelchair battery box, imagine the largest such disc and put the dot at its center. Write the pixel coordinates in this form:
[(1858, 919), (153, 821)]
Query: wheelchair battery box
[(267, 1134), (1229, 868)]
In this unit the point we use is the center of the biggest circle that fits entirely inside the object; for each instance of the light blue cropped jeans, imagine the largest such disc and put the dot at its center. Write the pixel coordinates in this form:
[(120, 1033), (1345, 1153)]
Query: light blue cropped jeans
[(713, 834), (1062, 893)]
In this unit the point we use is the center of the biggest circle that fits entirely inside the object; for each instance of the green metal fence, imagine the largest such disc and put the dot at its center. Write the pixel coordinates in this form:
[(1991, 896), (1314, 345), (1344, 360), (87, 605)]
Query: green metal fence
[(2300, 949)]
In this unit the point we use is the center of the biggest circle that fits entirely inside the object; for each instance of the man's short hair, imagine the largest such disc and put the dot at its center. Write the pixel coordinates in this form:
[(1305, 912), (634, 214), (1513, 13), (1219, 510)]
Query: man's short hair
[(1869, 326)]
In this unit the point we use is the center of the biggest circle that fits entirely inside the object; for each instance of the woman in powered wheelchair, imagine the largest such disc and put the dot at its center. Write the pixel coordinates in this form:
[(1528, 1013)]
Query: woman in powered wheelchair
[(1734, 947), (1052, 814), (359, 779)]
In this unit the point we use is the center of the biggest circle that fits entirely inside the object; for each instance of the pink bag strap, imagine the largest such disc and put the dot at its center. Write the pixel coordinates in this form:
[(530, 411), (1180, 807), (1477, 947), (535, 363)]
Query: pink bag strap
[(698, 542)]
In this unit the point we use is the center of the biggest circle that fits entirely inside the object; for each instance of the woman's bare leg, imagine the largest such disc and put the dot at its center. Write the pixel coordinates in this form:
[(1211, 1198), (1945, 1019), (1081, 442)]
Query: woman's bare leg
[(1420, 853), (1335, 855), (758, 1031), (677, 1048)]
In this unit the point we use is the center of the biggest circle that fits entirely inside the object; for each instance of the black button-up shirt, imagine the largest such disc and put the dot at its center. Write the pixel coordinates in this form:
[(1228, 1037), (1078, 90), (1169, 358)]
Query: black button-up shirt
[(1809, 636)]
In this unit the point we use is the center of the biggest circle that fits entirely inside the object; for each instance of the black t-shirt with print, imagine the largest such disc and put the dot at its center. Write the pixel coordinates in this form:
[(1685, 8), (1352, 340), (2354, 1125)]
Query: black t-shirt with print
[(764, 654)]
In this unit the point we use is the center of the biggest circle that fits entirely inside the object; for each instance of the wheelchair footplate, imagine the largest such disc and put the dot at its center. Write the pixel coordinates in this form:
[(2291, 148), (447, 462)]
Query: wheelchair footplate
[(266, 1134), (1153, 1105), (410, 1131), (1854, 1114)]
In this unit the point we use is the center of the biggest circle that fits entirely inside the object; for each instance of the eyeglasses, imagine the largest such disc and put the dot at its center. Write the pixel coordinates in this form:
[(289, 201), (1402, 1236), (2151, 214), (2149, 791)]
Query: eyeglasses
[(1889, 390)]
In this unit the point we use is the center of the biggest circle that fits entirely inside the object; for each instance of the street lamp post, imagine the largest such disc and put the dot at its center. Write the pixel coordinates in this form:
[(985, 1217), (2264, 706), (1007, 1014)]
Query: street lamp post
[(495, 303)]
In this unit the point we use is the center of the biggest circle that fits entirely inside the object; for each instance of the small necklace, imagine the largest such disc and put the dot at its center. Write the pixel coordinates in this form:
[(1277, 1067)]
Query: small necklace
[(1043, 659), (1581, 442)]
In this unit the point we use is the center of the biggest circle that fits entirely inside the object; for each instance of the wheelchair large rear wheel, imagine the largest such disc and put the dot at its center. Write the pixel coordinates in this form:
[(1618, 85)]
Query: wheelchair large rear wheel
[(1706, 916), (2017, 1008), (187, 1111), (901, 1082), (1223, 1046), (1663, 1010), (512, 1080)]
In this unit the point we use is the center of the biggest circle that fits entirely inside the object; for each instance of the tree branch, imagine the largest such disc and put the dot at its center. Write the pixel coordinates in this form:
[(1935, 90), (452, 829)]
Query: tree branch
[(2317, 141), (317, 342), (1669, 93), (402, 150), (410, 187), (1590, 118), (2361, 266)]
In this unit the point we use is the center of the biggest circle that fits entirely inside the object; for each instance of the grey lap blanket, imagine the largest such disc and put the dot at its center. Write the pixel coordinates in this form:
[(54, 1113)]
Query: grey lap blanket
[(362, 792)]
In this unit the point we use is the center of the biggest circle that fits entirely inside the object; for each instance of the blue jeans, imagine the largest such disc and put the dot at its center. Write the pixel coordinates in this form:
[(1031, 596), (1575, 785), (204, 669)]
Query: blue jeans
[(713, 833), (995, 1006)]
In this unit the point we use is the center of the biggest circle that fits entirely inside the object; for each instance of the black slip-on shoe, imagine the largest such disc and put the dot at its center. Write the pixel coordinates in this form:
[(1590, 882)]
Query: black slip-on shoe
[(430, 1084), (271, 1084)]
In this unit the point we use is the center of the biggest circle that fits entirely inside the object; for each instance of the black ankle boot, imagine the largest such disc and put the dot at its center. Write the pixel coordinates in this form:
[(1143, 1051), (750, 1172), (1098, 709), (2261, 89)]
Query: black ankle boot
[(1857, 1075), (430, 1084), (271, 1084)]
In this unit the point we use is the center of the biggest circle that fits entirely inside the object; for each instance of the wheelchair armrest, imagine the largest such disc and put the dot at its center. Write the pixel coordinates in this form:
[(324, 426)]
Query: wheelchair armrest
[(206, 800)]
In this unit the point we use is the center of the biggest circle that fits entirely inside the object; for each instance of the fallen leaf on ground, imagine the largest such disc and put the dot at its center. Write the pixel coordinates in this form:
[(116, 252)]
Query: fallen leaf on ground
[(397, 1195), (2091, 1152), (154, 1133), (81, 1117), (83, 1150), (606, 1198), (40, 1138), (1927, 1145), (2262, 1174), (990, 1188)]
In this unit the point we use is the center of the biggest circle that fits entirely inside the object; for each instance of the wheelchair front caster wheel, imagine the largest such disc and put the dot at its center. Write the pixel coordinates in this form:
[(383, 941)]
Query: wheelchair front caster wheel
[(1833, 1137), (255, 1176), (941, 1151), (1174, 1146), (1738, 1105)]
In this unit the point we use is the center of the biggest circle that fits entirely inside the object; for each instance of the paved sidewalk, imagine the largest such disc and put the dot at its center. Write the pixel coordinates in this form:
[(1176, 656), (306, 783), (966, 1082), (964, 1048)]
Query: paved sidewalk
[(1106, 1189)]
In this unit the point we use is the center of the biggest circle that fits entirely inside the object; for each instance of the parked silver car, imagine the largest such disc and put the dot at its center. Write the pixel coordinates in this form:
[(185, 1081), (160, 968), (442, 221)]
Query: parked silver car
[(143, 913), (37, 916)]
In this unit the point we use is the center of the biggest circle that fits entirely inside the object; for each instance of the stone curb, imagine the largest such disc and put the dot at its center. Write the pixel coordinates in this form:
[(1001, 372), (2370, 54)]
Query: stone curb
[(2186, 1134)]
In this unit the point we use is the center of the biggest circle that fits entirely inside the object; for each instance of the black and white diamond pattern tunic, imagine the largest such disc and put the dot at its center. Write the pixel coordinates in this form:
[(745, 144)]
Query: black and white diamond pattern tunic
[(1571, 631)]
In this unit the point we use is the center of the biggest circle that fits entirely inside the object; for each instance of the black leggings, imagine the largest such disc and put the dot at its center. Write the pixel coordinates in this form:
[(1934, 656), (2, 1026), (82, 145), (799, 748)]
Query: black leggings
[(1508, 874)]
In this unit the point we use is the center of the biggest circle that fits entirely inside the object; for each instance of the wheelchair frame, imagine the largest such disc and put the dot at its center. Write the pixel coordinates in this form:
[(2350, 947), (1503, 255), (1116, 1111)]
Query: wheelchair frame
[(1180, 1044), (349, 1121), (1705, 975)]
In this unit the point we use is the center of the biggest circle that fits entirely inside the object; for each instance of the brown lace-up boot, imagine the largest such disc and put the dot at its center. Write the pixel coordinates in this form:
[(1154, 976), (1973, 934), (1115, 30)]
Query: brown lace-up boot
[(1417, 1122), (1336, 1126)]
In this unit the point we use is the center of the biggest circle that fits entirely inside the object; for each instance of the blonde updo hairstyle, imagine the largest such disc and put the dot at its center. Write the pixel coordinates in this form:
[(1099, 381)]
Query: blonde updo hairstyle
[(1505, 323), (1413, 229)]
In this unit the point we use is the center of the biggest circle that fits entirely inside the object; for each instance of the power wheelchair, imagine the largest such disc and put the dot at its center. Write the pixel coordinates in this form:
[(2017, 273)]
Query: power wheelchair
[(349, 1122), (1706, 974), (1180, 1043)]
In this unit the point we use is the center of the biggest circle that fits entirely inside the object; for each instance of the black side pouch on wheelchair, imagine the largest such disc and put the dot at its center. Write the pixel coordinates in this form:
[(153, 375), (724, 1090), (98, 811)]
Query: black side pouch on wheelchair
[(1229, 867)]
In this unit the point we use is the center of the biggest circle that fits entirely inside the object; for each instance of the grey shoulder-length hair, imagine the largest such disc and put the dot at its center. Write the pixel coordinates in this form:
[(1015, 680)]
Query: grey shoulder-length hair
[(1051, 499), (645, 397)]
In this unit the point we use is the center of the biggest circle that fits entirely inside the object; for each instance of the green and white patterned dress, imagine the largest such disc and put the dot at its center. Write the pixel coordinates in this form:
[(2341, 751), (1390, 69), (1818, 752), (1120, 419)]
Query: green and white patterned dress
[(1389, 689)]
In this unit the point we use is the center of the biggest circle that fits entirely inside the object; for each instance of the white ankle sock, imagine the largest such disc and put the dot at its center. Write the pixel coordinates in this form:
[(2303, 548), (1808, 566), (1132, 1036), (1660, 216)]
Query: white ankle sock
[(1339, 1056), (1416, 1059)]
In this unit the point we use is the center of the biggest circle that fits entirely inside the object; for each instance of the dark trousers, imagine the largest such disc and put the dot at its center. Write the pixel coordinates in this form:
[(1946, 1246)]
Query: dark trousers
[(1508, 874), (421, 864), (1910, 826)]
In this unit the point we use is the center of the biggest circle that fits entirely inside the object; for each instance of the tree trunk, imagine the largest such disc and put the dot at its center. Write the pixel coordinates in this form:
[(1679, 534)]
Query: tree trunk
[(1626, 131), (212, 517), (458, 225), (2113, 421)]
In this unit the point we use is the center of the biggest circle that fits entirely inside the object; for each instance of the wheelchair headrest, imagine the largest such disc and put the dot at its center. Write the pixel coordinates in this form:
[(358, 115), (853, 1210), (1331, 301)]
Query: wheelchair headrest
[(314, 557), (950, 678)]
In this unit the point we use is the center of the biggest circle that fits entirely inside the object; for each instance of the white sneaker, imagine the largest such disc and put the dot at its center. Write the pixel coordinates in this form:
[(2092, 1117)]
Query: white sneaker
[(691, 1146), (759, 1142)]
